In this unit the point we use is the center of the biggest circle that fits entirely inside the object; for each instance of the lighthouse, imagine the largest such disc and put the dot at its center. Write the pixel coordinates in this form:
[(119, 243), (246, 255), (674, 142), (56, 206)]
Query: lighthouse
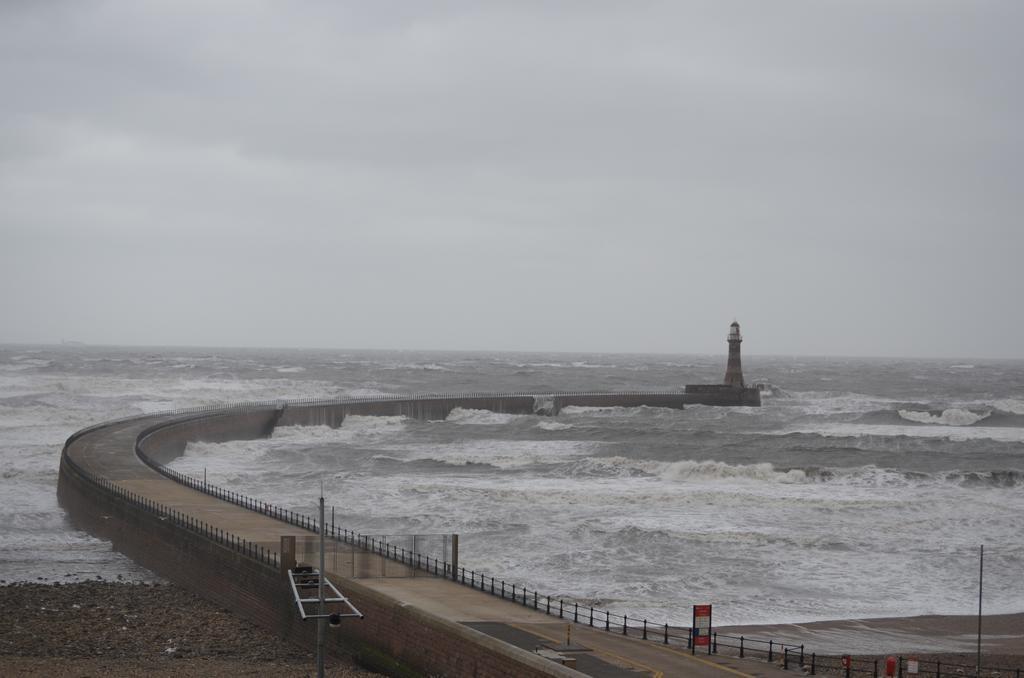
[(734, 370)]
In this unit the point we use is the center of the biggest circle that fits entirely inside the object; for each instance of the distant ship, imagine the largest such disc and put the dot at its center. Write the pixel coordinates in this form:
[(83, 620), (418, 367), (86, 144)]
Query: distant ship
[(732, 392)]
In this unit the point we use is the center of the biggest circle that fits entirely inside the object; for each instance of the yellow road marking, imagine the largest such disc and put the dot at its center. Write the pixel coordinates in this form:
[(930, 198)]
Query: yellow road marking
[(654, 672), (727, 669)]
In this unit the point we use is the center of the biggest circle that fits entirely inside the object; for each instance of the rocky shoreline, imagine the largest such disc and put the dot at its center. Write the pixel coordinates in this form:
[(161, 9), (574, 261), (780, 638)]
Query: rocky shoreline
[(113, 629)]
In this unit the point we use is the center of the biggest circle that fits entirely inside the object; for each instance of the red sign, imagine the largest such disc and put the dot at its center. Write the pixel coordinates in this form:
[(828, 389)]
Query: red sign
[(701, 625)]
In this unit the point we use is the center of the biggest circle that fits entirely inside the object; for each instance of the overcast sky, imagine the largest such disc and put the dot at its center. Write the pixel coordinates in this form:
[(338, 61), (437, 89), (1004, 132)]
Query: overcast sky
[(843, 178)]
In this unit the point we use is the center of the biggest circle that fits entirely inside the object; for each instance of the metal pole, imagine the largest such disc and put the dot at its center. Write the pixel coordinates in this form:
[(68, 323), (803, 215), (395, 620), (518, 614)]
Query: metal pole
[(321, 628), (981, 574)]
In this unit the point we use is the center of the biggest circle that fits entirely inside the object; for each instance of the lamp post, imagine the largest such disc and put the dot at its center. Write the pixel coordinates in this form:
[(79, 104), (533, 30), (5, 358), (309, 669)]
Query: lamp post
[(304, 578)]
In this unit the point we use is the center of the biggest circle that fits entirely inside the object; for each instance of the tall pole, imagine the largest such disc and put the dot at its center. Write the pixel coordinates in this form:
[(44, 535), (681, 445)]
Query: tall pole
[(320, 627), (981, 575)]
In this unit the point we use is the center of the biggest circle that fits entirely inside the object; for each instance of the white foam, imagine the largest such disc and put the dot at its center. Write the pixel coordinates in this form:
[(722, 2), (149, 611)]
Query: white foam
[(504, 454), (291, 370), (553, 426), (700, 470), (1011, 405), (954, 433), (953, 416), (353, 427), (481, 417)]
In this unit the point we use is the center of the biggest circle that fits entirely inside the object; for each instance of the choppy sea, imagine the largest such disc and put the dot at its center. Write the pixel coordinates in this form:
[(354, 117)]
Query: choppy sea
[(862, 487)]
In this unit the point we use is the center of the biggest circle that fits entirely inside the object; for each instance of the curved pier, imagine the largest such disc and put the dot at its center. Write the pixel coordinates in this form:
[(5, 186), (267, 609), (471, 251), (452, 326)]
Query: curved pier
[(225, 547)]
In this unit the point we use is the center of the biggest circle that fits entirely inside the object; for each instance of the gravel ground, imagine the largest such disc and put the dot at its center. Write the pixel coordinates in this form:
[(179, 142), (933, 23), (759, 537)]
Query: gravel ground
[(112, 630)]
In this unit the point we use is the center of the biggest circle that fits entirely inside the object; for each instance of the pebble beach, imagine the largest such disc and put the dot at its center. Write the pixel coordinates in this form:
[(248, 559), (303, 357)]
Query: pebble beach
[(101, 628)]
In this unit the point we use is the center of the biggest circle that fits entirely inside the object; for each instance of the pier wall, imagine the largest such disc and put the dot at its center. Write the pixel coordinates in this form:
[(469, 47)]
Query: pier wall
[(394, 638), (721, 395)]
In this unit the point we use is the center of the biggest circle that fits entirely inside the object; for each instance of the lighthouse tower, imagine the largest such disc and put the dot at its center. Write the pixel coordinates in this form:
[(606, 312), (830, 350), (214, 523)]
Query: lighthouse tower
[(734, 370)]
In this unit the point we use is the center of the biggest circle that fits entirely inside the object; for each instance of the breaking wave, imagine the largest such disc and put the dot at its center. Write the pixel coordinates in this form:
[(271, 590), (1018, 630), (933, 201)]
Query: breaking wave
[(953, 416), (481, 417), (705, 471)]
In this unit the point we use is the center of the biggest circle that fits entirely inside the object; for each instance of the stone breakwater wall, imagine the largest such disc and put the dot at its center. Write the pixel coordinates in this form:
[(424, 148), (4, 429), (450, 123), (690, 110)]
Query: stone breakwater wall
[(98, 464), (722, 395)]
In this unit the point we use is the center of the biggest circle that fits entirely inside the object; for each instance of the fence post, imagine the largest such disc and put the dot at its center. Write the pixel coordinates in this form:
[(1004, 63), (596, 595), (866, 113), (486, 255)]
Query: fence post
[(801, 656), (576, 612), (785, 658), (848, 669), (899, 663), (666, 633), (535, 600), (559, 608), (813, 663), (645, 629), (714, 643), (591, 615), (625, 618), (741, 647), (875, 674), (607, 621), (549, 605), (771, 644), (502, 588)]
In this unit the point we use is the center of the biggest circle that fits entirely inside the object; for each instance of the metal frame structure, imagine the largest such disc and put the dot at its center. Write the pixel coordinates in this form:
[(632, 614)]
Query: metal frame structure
[(305, 577)]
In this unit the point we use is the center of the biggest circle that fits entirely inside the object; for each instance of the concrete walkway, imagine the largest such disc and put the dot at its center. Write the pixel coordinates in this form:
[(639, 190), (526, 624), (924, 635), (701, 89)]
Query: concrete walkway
[(109, 453)]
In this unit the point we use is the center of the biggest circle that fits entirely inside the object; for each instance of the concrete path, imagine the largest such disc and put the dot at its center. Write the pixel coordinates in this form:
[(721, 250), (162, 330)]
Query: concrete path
[(109, 453)]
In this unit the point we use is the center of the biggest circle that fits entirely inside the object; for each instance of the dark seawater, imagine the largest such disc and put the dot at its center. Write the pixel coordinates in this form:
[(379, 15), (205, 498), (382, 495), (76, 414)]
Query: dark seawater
[(862, 487)]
